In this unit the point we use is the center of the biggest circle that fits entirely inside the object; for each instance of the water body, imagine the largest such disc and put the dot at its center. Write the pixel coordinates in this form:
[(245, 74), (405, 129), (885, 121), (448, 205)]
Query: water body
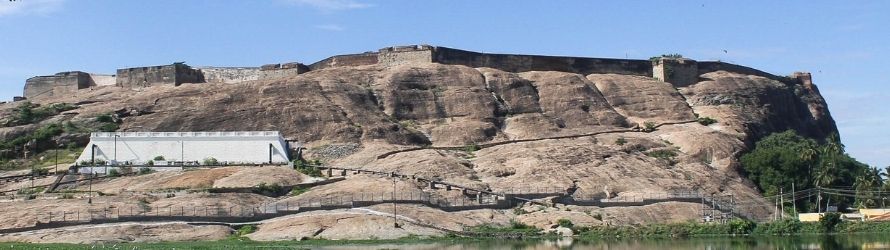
[(859, 241)]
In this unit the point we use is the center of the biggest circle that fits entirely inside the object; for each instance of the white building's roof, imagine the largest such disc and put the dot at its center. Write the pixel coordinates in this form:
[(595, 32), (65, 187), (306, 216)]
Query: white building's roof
[(185, 134)]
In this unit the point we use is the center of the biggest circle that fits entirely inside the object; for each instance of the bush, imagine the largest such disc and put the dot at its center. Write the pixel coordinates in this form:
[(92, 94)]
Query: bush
[(113, 173), (740, 226), (706, 121), (143, 171), (39, 171), (210, 161), (106, 118), (620, 141), (298, 191), (269, 190), (565, 223), (471, 148), (158, 158), (648, 126), (829, 221), (307, 168), (108, 127), (666, 154)]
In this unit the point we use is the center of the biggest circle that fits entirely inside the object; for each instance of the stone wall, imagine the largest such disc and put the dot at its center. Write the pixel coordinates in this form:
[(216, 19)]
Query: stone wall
[(367, 58), (680, 72), (522, 63), (272, 71), (176, 74), (63, 83), (394, 56), (102, 80), (229, 74)]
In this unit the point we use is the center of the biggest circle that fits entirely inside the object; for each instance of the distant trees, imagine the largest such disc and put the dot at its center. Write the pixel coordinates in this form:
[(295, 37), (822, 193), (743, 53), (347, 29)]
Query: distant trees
[(781, 159)]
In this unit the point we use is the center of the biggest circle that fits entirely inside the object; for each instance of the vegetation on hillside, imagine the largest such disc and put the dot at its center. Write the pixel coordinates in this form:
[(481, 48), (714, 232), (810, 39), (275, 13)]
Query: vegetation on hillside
[(781, 159)]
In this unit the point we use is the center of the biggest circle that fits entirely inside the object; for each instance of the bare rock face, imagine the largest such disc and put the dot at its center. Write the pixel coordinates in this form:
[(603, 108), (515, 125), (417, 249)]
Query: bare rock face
[(539, 129), (573, 101), (643, 99), (757, 106)]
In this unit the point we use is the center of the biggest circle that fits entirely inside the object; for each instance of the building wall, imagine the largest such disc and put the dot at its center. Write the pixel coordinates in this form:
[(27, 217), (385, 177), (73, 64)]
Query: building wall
[(232, 147), (63, 83), (367, 58), (394, 56), (176, 74), (103, 80), (229, 74), (523, 63), (272, 71), (680, 72)]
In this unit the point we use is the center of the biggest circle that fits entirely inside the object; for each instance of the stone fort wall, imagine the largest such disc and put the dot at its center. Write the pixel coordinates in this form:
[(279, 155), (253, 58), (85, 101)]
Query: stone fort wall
[(176, 74), (62, 83), (680, 72)]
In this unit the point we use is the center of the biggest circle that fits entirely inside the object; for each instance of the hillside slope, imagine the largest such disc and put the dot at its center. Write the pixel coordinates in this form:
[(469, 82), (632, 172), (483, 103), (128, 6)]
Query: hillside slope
[(354, 116)]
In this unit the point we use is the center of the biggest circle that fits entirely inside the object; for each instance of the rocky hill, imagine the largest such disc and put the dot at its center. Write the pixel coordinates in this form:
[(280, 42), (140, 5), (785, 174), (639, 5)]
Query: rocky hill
[(604, 134)]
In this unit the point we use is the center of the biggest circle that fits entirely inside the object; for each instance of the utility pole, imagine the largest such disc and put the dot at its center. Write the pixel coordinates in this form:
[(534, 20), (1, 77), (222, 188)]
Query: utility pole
[(115, 148), (92, 172), (395, 219), (782, 198), (793, 198)]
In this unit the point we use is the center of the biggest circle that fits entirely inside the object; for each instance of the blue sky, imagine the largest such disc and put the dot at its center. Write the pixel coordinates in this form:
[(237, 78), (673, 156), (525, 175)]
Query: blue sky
[(844, 45)]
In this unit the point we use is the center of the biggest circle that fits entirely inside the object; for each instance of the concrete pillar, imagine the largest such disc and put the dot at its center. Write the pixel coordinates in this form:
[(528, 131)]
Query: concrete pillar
[(479, 197), (432, 185), (330, 172)]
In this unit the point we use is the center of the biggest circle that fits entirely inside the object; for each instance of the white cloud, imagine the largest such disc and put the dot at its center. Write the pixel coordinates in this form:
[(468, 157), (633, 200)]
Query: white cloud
[(330, 27), (25, 7), (331, 5)]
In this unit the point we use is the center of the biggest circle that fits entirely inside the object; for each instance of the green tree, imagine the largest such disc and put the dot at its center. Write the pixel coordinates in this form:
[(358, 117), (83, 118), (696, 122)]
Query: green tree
[(777, 161), (867, 180)]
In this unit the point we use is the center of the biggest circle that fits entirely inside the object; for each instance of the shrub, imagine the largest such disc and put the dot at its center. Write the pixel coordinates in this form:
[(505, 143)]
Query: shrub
[(648, 126), (307, 168), (471, 148), (740, 226), (706, 121), (106, 118), (266, 189), (210, 161), (143, 171), (158, 158), (108, 127), (113, 173), (829, 221), (298, 191), (666, 154), (620, 141), (565, 223), (67, 196)]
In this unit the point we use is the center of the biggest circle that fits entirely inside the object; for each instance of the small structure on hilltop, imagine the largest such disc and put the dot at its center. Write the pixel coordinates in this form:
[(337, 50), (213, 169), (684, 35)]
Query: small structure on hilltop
[(185, 148)]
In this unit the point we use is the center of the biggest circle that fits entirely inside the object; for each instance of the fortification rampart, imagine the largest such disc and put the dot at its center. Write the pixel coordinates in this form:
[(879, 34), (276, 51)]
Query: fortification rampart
[(62, 83), (367, 58), (176, 74), (272, 71), (229, 74), (680, 72)]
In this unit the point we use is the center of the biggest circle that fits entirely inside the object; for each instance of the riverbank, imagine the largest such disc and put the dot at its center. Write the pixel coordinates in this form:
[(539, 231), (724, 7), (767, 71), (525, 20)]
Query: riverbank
[(735, 230)]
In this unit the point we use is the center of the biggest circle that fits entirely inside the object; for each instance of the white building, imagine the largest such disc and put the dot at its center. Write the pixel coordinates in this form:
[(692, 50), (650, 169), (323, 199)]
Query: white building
[(252, 147)]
